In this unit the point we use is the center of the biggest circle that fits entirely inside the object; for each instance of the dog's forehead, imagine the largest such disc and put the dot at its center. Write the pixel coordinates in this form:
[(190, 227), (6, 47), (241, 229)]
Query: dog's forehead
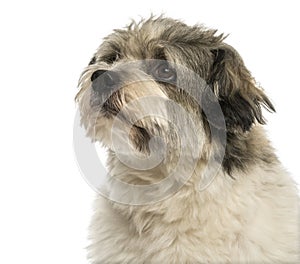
[(145, 39), (140, 42), (162, 39)]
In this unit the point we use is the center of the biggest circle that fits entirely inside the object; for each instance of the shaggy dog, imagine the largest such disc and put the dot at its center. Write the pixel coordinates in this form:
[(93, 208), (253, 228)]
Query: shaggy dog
[(192, 176)]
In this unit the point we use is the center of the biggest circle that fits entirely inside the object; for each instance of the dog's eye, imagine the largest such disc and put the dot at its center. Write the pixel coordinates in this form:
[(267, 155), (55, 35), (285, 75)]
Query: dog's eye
[(164, 72), (93, 61), (110, 59)]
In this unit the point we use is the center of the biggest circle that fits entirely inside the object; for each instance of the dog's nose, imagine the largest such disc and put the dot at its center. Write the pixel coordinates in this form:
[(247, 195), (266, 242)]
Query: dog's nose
[(96, 74), (104, 80)]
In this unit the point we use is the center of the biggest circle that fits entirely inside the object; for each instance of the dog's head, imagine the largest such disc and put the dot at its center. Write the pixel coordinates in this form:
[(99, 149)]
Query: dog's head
[(136, 73)]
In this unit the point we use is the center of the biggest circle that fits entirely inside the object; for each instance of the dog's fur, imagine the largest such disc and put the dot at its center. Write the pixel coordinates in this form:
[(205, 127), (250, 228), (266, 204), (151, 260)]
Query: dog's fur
[(248, 214)]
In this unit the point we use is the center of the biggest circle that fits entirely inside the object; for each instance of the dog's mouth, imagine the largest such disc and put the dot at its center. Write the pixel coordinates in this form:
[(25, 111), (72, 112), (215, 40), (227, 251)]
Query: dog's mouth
[(109, 105), (109, 108)]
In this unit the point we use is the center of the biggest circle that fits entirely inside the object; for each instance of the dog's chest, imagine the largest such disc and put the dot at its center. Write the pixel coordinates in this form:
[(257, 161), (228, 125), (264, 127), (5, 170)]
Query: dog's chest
[(176, 237), (183, 230)]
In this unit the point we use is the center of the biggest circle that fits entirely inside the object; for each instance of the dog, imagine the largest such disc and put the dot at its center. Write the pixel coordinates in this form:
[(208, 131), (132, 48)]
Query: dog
[(192, 176)]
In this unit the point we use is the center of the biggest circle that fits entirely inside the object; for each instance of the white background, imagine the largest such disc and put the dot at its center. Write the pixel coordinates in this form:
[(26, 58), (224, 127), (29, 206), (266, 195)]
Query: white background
[(45, 203)]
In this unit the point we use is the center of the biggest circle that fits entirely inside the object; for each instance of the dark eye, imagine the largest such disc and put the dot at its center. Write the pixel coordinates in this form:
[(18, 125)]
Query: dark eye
[(92, 61), (110, 59), (164, 72)]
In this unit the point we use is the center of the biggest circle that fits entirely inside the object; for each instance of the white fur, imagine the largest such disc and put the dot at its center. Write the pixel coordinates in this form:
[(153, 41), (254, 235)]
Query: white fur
[(252, 219)]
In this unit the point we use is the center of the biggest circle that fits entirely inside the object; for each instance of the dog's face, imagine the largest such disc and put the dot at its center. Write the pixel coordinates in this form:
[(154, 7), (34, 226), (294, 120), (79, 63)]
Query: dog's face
[(147, 77)]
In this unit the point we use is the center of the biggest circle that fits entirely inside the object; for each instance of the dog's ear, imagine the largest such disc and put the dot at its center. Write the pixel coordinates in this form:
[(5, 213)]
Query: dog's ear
[(236, 90)]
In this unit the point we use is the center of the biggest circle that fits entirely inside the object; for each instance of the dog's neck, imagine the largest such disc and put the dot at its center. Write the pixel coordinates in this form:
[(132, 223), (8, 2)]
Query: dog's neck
[(143, 217), (246, 149)]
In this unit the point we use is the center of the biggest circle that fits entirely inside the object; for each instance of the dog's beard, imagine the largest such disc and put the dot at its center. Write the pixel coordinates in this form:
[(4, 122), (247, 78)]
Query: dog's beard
[(142, 131)]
